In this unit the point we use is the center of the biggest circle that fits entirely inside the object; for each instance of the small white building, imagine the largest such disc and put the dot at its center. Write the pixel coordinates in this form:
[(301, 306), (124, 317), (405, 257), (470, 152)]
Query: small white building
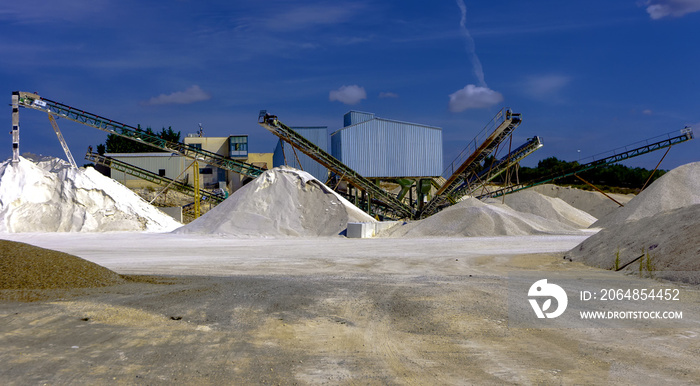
[(178, 167)]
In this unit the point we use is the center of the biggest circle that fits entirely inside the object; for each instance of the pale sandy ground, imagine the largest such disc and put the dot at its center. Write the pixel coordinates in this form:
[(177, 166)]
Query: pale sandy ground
[(321, 311)]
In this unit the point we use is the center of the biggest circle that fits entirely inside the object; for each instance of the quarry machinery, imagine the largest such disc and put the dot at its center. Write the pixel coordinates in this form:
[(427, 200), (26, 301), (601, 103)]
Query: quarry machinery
[(64, 145), (36, 102), (610, 157), (15, 128), (479, 180), (392, 207), (467, 176), (468, 163), (146, 175)]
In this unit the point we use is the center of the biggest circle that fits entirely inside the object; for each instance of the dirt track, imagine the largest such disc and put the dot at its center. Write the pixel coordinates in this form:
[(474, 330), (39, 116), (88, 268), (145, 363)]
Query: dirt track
[(357, 325)]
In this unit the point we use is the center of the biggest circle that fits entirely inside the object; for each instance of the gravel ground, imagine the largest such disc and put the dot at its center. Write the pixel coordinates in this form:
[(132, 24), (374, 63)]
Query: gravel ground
[(320, 311)]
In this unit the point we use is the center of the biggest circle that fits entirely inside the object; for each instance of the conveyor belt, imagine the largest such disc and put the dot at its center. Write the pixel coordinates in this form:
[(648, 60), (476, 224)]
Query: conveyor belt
[(391, 204), (150, 176), (34, 101), (621, 154), (505, 122)]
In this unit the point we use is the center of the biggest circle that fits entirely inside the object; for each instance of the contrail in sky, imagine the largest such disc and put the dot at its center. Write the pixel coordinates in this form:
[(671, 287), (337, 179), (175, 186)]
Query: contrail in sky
[(472, 96), (469, 45)]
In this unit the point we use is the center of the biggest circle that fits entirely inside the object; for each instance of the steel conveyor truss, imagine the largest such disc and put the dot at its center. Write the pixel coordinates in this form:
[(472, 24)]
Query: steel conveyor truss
[(34, 101), (488, 174), (478, 150), (393, 207), (150, 176), (614, 156)]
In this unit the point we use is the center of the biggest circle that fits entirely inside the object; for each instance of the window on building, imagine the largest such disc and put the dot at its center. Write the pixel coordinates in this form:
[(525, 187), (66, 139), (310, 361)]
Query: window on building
[(161, 172), (206, 171), (238, 146), (197, 146)]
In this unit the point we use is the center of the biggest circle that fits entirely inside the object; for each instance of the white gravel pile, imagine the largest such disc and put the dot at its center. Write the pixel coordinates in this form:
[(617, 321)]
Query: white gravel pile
[(280, 202), (551, 208), (672, 239), (472, 218), (678, 188), (50, 196), (593, 203)]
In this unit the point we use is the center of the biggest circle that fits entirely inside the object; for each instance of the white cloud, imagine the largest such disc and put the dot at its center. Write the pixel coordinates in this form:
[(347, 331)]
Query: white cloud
[(350, 95), (388, 95), (647, 112), (545, 86), (191, 95), (473, 97), (658, 9)]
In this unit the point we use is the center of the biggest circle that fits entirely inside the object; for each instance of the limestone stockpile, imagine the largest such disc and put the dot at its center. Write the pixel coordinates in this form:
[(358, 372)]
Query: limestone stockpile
[(593, 203), (281, 202), (551, 208), (50, 196), (24, 266), (678, 188), (473, 218), (671, 238)]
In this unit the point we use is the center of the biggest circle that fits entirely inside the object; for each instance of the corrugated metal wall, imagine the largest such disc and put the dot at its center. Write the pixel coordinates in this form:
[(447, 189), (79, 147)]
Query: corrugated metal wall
[(387, 148), (355, 117), (318, 135), (172, 164), (336, 146)]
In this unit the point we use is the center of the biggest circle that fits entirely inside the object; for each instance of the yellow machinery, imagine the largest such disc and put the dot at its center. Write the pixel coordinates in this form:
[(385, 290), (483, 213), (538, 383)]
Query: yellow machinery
[(195, 182)]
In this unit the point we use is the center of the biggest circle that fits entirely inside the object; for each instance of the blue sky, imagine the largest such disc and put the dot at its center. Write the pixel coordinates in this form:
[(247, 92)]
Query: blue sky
[(586, 76)]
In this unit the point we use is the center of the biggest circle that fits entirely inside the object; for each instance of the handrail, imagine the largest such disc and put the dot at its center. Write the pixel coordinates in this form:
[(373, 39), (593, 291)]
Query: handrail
[(622, 154)]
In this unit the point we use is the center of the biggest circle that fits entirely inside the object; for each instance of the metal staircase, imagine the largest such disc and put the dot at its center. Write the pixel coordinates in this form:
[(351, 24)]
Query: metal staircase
[(482, 146), (497, 168)]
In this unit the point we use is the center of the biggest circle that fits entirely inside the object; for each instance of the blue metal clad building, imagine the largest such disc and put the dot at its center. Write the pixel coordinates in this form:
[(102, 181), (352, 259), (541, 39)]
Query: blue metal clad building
[(378, 147), (318, 135), (354, 117)]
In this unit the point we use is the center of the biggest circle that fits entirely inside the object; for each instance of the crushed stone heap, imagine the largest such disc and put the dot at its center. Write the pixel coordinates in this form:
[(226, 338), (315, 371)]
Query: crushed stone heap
[(281, 202), (24, 266), (50, 196), (678, 188), (473, 218), (551, 208), (671, 239), (593, 203), (663, 220)]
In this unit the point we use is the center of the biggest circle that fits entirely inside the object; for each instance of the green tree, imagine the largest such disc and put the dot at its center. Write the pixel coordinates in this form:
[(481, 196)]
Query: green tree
[(614, 176), (118, 144), (548, 167)]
